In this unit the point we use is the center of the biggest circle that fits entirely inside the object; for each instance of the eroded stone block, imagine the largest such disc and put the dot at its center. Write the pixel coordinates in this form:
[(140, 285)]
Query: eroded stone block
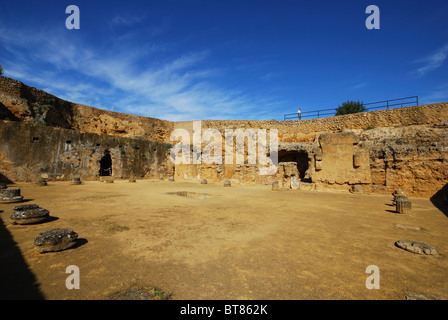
[(55, 240), (42, 182), (10, 195), (403, 205), (29, 214), (76, 181), (416, 247)]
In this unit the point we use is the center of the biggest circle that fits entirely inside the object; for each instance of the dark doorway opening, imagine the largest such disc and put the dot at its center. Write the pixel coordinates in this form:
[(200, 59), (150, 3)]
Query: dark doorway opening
[(299, 157), (106, 165)]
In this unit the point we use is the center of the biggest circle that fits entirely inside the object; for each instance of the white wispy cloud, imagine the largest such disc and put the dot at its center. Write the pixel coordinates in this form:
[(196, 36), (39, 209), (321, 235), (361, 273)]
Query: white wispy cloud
[(138, 81), (439, 94), (433, 61)]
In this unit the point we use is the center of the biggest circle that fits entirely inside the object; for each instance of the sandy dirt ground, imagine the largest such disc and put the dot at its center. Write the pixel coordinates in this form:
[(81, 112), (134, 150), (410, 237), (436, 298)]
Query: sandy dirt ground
[(245, 242)]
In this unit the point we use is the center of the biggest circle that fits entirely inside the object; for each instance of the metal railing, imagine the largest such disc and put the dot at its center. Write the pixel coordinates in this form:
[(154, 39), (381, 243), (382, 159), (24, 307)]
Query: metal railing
[(385, 104)]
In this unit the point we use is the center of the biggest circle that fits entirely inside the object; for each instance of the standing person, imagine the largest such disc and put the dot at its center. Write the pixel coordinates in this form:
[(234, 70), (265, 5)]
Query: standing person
[(106, 164), (299, 113)]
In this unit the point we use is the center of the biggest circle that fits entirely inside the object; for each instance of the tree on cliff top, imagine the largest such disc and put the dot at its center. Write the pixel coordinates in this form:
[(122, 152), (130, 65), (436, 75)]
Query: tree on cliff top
[(350, 107), (1, 70)]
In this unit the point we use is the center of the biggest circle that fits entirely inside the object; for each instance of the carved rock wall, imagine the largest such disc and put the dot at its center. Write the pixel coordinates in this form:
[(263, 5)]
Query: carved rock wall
[(29, 152)]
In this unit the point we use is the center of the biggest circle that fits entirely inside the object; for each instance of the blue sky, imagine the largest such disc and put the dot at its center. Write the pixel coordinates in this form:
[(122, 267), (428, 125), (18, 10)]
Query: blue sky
[(194, 60)]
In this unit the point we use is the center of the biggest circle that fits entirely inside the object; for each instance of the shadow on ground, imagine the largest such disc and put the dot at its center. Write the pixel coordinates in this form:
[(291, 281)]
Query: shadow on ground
[(5, 179), (440, 200), (17, 282)]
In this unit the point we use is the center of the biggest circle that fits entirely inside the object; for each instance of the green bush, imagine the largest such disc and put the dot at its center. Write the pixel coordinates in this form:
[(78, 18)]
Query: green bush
[(1, 70), (350, 107)]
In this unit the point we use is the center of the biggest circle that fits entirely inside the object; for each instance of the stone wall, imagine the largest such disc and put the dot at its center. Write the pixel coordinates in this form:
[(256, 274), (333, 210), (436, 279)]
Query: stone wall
[(381, 159), (19, 102), (340, 160), (29, 152), (413, 158), (306, 130), (377, 151)]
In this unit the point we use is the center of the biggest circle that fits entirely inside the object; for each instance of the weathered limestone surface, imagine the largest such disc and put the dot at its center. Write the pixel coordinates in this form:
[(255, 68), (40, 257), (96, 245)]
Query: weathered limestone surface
[(29, 214), (295, 183), (287, 175), (42, 182), (10, 195), (28, 151), (356, 188), (381, 160), (306, 130), (399, 193), (412, 158), (416, 247), (403, 205), (76, 181), (380, 150), (55, 240), (337, 153), (19, 102)]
